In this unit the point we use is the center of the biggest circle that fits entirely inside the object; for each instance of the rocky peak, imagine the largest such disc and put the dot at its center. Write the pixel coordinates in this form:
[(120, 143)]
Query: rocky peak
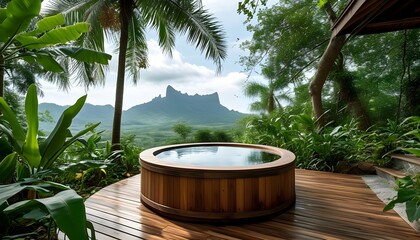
[(172, 95)]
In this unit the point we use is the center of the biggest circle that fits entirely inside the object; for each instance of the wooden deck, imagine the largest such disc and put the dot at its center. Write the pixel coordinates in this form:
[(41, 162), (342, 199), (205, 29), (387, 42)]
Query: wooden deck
[(328, 206)]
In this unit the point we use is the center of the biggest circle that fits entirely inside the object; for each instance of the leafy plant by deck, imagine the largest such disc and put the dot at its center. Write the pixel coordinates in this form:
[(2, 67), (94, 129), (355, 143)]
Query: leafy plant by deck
[(408, 192), (60, 203), (30, 156), (325, 149), (34, 155), (412, 137)]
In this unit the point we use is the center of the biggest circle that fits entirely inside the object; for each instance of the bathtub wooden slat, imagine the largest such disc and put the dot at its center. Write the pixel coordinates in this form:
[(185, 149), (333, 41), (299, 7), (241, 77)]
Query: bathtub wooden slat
[(231, 187), (176, 193), (191, 194), (183, 193), (199, 195), (169, 193), (240, 195), (262, 192), (215, 184), (224, 195), (160, 189), (208, 195)]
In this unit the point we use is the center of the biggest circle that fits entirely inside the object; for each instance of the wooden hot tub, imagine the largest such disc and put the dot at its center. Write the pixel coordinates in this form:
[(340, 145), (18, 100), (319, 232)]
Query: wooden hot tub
[(203, 192)]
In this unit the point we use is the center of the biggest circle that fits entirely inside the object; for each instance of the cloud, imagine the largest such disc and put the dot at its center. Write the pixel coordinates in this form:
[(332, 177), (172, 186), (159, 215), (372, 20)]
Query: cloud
[(164, 69)]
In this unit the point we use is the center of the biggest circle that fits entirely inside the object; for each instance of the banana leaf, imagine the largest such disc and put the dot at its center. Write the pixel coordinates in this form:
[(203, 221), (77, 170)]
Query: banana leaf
[(47, 24), (86, 55), (47, 62), (18, 134), (17, 16), (30, 147), (7, 167), (66, 208), (56, 36), (5, 147), (48, 162), (43, 187), (55, 141)]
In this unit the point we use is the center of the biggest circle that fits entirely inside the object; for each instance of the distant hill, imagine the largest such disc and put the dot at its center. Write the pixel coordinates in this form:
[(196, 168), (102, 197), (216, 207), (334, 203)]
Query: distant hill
[(89, 114), (160, 113)]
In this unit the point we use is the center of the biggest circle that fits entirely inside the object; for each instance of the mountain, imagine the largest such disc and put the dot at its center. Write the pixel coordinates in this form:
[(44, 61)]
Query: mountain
[(203, 110), (176, 107)]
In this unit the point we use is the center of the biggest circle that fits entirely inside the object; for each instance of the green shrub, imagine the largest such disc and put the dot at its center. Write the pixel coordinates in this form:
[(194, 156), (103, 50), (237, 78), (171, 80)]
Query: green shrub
[(317, 149), (408, 192)]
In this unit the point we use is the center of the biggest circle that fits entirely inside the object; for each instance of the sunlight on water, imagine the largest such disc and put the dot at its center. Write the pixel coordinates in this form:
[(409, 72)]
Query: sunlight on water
[(217, 156)]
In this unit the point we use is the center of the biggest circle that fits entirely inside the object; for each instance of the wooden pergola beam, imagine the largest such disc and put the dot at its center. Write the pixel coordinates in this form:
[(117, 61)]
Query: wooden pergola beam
[(377, 16)]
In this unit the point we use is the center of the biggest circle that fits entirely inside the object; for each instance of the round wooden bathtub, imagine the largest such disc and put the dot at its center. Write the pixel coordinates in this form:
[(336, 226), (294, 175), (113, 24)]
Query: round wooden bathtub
[(212, 193)]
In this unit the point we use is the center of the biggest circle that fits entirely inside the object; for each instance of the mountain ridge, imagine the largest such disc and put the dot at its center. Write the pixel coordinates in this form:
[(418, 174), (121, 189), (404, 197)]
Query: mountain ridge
[(174, 107)]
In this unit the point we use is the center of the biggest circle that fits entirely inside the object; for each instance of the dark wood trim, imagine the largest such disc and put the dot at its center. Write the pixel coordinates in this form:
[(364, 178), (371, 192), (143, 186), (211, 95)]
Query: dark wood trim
[(377, 16)]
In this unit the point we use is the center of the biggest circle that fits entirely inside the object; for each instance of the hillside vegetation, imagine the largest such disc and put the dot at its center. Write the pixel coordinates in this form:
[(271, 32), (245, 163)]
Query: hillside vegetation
[(152, 122)]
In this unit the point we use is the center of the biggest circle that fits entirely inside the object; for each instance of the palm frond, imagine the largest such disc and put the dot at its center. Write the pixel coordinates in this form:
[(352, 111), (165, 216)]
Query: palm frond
[(61, 79), (155, 16), (137, 55), (254, 89), (202, 30)]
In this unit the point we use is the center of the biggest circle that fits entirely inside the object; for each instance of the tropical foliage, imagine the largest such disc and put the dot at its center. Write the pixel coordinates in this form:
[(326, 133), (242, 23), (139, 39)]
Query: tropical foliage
[(269, 101), (34, 154), (44, 44), (32, 45), (89, 164), (334, 147), (184, 130), (365, 81), (29, 156), (55, 205)]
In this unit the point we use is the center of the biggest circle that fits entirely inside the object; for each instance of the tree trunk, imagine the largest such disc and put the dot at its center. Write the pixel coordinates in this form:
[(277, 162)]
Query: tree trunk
[(404, 68), (271, 103), (325, 65), (348, 94), (126, 11)]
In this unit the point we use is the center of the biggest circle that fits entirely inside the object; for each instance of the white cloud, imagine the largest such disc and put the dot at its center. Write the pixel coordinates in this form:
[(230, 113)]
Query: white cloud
[(164, 69)]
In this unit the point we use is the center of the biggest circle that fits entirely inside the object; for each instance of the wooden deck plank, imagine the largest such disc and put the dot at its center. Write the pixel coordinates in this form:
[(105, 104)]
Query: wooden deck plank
[(328, 206)]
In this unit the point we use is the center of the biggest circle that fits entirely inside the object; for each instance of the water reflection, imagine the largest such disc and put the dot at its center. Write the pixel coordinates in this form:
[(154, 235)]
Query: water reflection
[(217, 156), (259, 157)]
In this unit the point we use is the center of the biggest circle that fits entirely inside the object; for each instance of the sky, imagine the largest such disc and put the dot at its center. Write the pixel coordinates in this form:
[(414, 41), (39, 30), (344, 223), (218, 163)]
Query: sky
[(187, 71)]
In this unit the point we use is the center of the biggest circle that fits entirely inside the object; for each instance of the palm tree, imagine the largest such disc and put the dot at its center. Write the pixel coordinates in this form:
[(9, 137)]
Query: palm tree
[(268, 100), (129, 19)]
